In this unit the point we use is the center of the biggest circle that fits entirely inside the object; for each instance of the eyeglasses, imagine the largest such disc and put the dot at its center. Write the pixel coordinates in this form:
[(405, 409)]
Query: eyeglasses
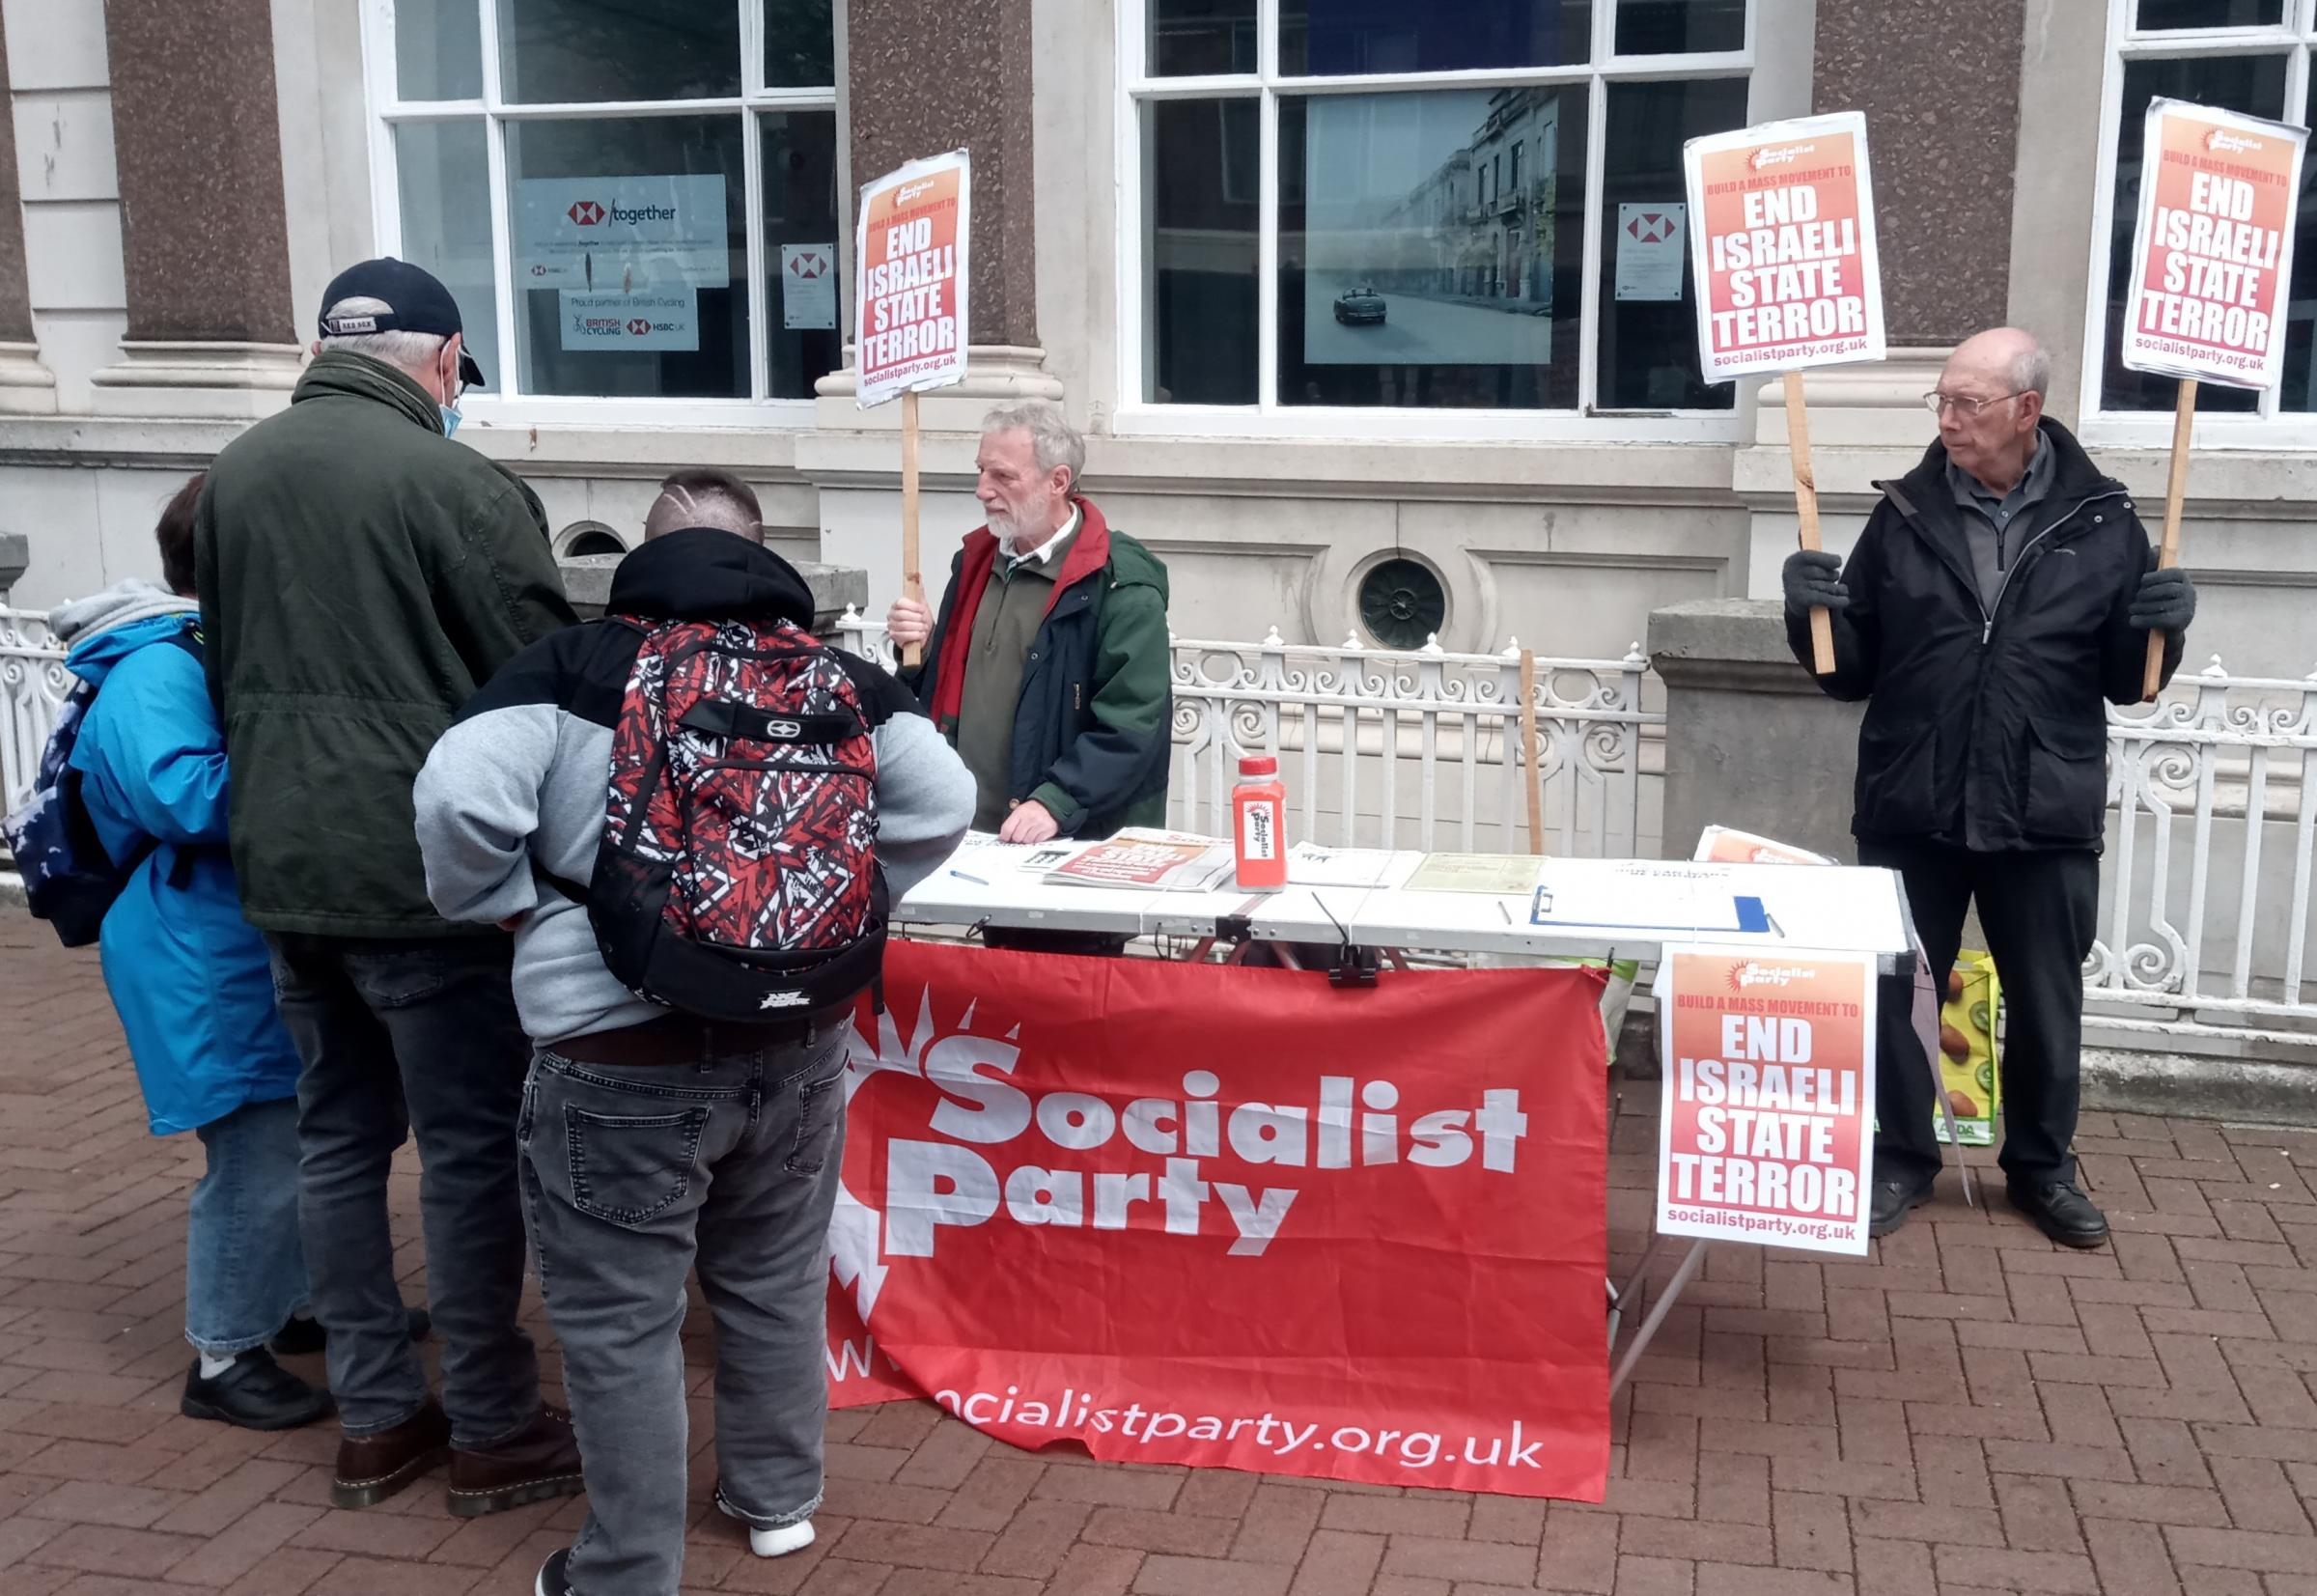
[(1939, 403)]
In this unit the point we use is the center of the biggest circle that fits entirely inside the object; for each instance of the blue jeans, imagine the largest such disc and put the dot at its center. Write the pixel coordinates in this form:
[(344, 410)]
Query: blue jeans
[(245, 1273), (397, 1037), (634, 1176)]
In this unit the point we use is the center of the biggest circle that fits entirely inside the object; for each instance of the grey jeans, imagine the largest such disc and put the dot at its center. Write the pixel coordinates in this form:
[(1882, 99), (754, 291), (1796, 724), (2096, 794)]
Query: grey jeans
[(397, 1037), (634, 1176)]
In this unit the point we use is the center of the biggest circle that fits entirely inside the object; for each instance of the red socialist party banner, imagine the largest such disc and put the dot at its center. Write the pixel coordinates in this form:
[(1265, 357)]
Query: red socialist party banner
[(1237, 1218)]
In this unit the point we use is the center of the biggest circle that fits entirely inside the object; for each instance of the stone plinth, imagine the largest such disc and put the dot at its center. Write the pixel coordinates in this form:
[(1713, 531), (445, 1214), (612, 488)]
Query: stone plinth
[(587, 583), (1750, 741)]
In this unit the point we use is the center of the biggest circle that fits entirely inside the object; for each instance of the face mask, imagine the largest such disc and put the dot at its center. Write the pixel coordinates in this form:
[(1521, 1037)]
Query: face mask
[(450, 420)]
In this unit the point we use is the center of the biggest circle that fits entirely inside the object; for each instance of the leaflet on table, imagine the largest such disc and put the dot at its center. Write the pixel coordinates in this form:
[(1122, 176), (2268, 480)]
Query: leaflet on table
[(1309, 864), (1500, 874), (1142, 857), (1647, 897), (1724, 845)]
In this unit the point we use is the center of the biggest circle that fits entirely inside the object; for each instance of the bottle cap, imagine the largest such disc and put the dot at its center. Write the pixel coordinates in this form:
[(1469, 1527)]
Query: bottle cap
[(1258, 765)]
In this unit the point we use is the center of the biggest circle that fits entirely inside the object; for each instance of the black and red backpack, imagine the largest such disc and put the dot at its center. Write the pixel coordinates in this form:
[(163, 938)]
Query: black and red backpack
[(737, 879)]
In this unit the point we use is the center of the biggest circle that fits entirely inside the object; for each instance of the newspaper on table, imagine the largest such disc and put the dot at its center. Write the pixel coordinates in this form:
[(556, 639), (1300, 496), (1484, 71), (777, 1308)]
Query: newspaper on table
[(1140, 856)]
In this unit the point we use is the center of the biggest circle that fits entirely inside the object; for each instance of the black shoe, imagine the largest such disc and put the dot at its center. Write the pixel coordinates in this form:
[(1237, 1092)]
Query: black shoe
[(301, 1336), (255, 1393), (2062, 1213), (1892, 1201), (553, 1580)]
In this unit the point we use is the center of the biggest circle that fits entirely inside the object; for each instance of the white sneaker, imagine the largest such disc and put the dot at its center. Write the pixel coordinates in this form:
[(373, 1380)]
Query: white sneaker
[(770, 1543), (779, 1543)]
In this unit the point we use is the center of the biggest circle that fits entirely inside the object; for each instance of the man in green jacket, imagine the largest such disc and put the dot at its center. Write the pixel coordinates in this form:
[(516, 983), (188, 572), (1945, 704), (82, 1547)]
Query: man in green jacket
[(361, 575), (1048, 667)]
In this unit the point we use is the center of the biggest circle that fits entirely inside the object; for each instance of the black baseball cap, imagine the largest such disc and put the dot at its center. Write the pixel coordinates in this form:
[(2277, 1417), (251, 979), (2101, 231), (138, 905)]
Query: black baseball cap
[(419, 300)]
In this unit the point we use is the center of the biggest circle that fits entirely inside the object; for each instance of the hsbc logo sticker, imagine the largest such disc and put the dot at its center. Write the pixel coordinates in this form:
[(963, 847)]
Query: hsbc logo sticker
[(1651, 227), (638, 232)]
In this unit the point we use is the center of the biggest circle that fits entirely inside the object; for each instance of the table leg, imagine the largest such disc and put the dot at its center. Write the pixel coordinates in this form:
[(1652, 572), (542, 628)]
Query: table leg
[(1658, 1311)]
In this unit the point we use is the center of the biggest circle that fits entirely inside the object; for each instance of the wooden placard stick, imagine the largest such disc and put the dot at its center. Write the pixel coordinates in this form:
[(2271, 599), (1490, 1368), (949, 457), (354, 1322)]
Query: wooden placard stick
[(912, 579), (2167, 554), (1805, 507), (1528, 750)]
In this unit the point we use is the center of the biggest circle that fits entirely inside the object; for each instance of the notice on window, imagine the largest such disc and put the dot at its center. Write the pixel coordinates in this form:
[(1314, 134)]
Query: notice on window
[(1431, 226), (1765, 1133), (1653, 242), (808, 286), (621, 234), (2213, 253), (909, 313), (1783, 245), (595, 321)]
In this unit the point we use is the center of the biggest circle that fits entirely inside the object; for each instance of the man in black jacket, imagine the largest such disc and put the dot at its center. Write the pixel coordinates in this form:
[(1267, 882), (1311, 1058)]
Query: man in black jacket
[(2000, 591)]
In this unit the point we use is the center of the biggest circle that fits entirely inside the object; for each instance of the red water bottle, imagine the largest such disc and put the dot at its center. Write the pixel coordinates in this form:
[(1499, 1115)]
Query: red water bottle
[(1259, 812)]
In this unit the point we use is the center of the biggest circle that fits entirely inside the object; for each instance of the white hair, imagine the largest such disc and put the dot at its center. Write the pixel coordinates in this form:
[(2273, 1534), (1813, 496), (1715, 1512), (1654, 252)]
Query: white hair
[(410, 352), (2032, 370), (1054, 440)]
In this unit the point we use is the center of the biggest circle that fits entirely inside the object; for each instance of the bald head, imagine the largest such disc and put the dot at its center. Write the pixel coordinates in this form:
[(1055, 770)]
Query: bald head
[(2008, 356), (1990, 406), (705, 497)]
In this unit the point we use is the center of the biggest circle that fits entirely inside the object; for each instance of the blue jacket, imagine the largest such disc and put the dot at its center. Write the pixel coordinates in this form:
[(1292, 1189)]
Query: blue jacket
[(188, 975)]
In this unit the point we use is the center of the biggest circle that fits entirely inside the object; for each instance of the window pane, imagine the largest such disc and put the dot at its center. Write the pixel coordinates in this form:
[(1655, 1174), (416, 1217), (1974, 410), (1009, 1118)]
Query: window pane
[(2211, 13), (1200, 182), (1430, 248), (805, 311), (1648, 316), (445, 186), (558, 51), (631, 256), (2251, 83), (437, 49), (1200, 38), (1674, 27), (2298, 391), (1344, 37), (801, 49)]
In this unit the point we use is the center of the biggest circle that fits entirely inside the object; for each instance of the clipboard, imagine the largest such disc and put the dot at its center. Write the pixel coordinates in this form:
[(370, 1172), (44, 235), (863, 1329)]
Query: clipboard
[(1747, 917)]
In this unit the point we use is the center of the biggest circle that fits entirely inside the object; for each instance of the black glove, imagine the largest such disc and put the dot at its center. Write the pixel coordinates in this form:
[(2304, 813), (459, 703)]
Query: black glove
[(2167, 601), (1814, 581)]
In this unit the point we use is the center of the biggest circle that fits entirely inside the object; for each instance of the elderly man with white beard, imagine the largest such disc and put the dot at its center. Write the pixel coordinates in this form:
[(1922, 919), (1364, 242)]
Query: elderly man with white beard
[(1047, 667)]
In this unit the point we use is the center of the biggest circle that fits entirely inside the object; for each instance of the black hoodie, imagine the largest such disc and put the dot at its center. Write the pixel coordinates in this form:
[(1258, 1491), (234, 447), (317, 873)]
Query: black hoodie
[(522, 780), (1985, 727)]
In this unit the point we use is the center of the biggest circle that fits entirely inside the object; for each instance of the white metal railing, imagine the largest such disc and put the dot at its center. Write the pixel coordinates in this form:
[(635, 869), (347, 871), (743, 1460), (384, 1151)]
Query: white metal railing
[(2204, 920), (1410, 749), (33, 686)]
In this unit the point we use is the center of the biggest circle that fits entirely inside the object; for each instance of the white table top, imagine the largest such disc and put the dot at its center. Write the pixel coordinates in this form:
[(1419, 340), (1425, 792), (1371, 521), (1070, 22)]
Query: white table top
[(1630, 905)]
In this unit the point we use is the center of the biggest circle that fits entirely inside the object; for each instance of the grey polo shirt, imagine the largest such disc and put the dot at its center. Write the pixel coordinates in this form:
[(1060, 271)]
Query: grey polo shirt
[(1996, 524)]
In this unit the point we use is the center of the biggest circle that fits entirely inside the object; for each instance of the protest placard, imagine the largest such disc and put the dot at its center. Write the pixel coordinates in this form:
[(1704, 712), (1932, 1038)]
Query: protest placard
[(1764, 1134), (909, 313), (1782, 244), (2212, 256)]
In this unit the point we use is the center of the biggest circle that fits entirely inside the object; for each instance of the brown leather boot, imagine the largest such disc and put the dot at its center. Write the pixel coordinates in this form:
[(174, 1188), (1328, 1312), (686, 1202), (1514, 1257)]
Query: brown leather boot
[(373, 1467), (542, 1460)]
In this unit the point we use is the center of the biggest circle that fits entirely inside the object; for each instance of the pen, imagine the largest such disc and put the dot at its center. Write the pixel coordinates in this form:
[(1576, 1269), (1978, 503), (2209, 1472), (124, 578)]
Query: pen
[(1506, 913), (975, 880)]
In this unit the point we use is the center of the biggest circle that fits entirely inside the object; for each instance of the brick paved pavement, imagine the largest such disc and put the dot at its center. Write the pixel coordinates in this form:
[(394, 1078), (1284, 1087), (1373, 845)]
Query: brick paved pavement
[(1971, 1409)]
